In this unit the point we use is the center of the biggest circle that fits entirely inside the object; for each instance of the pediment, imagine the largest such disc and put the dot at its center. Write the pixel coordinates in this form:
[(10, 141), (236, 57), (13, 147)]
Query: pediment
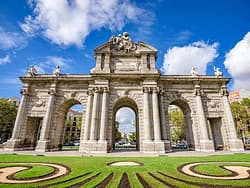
[(141, 47), (122, 44)]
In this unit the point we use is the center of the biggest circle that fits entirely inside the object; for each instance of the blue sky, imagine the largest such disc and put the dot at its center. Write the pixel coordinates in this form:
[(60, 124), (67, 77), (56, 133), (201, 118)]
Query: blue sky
[(186, 33)]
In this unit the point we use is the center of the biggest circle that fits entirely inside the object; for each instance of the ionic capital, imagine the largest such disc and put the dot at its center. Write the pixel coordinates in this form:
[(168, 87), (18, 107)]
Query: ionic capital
[(97, 89), (52, 91), (146, 89), (197, 90), (90, 92), (223, 91), (161, 92), (105, 90), (24, 91), (156, 90)]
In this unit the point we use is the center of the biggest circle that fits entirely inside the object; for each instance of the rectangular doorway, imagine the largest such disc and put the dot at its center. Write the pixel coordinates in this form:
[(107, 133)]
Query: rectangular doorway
[(215, 125), (33, 129)]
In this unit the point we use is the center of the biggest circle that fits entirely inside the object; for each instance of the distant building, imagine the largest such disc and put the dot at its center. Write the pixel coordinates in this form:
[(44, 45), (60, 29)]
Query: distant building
[(72, 126), (237, 96), (15, 101), (172, 108)]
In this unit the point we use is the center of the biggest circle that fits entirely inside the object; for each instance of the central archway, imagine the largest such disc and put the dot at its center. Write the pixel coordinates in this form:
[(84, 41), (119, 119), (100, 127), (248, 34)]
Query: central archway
[(129, 103)]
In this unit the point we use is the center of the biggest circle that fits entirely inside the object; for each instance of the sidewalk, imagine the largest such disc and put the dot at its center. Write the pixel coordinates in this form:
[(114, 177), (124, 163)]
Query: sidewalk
[(121, 153)]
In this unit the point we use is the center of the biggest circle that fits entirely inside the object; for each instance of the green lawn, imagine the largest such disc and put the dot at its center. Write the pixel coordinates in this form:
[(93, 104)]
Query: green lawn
[(93, 170)]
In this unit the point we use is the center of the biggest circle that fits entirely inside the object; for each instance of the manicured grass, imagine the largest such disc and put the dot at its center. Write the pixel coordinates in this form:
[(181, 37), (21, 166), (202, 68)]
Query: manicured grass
[(35, 171), (94, 165), (215, 169)]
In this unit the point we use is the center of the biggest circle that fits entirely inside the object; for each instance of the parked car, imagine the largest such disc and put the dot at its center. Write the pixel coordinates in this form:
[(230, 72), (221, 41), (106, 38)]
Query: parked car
[(182, 146), (247, 144), (69, 143), (76, 143)]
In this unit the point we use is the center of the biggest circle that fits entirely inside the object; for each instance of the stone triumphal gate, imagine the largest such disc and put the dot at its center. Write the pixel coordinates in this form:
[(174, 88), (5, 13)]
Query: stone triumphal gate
[(124, 76)]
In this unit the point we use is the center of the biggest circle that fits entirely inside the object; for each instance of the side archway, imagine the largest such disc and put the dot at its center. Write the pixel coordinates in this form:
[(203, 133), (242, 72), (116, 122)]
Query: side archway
[(60, 124), (182, 104)]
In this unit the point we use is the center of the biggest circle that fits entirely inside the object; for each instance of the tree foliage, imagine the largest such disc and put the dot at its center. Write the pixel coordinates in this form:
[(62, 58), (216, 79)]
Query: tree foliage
[(177, 131), (241, 114), (118, 134), (8, 113), (246, 102), (132, 137)]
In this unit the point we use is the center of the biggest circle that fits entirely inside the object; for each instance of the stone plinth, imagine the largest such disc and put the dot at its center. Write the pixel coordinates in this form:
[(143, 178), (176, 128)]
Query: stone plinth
[(42, 145), (93, 147), (153, 147), (235, 145), (14, 145), (206, 145)]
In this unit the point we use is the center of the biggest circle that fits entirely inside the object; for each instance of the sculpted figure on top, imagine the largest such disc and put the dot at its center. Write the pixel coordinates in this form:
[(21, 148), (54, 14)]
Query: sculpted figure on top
[(32, 71), (122, 42), (217, 72)]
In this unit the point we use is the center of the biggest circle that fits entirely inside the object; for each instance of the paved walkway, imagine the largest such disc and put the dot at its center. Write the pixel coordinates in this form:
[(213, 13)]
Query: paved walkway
[(121, 153)]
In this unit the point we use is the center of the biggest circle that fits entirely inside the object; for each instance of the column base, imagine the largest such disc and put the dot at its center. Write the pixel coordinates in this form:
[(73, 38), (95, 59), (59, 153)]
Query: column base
[(167, 146), (43, 146), (14, 145), (235, 145), (153, 146), (94, 146), (206, 145)]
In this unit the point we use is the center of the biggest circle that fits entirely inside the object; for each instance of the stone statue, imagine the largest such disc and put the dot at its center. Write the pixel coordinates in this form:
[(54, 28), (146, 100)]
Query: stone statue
[(217, 71), (32, 71), (57, 70), (122, 42), (194, 71)]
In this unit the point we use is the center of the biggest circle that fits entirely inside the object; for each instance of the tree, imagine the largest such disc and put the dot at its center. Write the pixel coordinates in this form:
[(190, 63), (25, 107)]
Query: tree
[(118, 134), (132, 137), (79, 122), (246, 102), (8, 113), (176, 117), (240, 111)]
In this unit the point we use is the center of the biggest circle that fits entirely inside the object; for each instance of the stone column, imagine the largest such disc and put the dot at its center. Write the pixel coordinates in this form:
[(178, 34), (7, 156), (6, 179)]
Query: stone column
[(15, 141), (156, 115), (165, 134), (94, 115), (104, 115), (234, 143), (146, 114), (206, 144), (42, 144), (163, 118), (20, 114), (88, 115)]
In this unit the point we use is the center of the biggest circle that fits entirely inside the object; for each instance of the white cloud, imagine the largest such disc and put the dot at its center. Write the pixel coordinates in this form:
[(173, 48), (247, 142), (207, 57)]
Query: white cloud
[(67, 22), (9, 40), (180, 60), (237, 61), (126, 117), (5, 60)]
